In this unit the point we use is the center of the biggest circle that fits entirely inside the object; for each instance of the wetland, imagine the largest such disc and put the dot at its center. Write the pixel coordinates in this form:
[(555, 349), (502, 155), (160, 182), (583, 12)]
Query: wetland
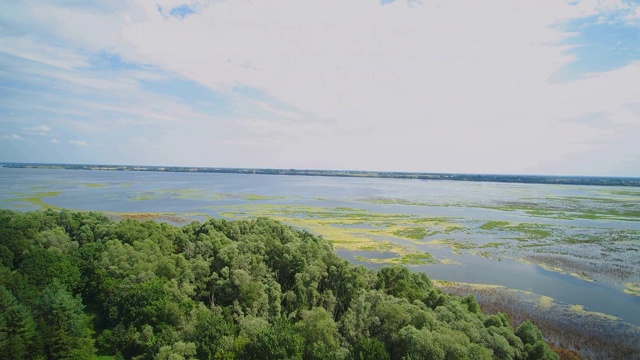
[(576, 247)]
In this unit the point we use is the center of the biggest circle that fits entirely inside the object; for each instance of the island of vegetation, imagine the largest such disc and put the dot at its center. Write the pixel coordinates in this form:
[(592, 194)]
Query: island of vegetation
[(505, 178), (76, 285)]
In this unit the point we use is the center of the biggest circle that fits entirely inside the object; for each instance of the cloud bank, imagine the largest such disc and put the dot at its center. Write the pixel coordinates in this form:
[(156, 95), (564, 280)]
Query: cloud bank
[(443, 86)]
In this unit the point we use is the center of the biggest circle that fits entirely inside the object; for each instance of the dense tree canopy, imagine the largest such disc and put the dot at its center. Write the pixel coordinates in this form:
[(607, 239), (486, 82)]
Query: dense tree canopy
[(75, 284)]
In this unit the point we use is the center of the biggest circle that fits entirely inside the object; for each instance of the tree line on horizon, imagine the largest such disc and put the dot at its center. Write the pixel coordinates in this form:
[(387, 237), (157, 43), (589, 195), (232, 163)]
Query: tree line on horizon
[(76, 285), (501, 178)]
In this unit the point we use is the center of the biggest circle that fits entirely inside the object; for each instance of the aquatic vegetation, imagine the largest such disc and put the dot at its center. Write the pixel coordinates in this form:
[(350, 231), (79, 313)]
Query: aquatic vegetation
[(447, 261), (201, 194), (93, 185), (455, 246), (37, 199), (530, 231), (569, 207), (254, 197), (144, 197), (407, 259), (624, 192), (580, 269), (393, 201), (586, 334), (491, 245), (417, 233), (632, 289), (493, 225), (350, 228)]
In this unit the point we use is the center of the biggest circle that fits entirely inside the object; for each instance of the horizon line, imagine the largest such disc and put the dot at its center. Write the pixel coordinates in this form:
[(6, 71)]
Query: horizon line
[(309, 170)]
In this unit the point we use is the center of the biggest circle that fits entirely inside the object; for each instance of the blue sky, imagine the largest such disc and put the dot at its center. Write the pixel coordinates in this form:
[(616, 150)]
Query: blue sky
[(445, 86)]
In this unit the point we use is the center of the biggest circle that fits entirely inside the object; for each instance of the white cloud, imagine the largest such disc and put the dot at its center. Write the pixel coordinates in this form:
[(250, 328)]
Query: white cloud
[(13, 137), (28, 48), (466, 81), (78, 142), (40, 130), (54, 141), (441, 86)]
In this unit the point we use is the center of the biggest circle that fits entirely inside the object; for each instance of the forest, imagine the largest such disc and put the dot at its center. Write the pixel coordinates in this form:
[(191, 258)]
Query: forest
[(77, 285)]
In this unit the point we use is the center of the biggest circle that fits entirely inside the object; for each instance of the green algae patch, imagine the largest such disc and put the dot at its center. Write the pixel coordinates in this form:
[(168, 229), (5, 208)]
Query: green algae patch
[(417, 259), (202, 194), (581, 276), (448, 261), (351, 229), (527, 231), (613, 207), (545, 303), (535, 231), (493, 225), (492, 244), (416, 233), (144, 197), (632, 289), (443, 283), (580, 310), (93, 185), (548, 267), (438, 242), (408, 259), (624, 192), (37, 199), (454, 245), (484, 254), (255, 197)]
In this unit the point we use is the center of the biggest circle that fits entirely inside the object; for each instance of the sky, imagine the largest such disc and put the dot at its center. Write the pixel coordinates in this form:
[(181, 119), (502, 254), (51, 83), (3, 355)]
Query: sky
[(503, 86)]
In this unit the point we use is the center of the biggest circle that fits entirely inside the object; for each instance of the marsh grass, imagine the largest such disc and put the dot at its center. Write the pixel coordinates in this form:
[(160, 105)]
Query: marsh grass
[(582, 268), (529, 231), (354, 229), (424, 258), (93, 185), (632, 289), (37, 199), (416, 233), (570, 328)]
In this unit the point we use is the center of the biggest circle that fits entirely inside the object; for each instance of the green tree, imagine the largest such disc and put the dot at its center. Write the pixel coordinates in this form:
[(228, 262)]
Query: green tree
[(278, 342), (178, 351), (41, 266), (369, 348), (208, 330), (17, 329), (398, 281), (64, 326), (419, 344), (534, 344), (320, 334)]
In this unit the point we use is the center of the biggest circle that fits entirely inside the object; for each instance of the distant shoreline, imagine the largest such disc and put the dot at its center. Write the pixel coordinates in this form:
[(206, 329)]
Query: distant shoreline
[(521, 179)]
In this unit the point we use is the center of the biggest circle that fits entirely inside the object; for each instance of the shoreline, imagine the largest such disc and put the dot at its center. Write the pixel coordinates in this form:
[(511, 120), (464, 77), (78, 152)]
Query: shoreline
[(499, 178)]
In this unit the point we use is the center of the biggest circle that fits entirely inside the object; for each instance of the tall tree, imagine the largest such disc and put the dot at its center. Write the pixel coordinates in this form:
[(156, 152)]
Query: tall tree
[(64, 326), (17, 329)]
